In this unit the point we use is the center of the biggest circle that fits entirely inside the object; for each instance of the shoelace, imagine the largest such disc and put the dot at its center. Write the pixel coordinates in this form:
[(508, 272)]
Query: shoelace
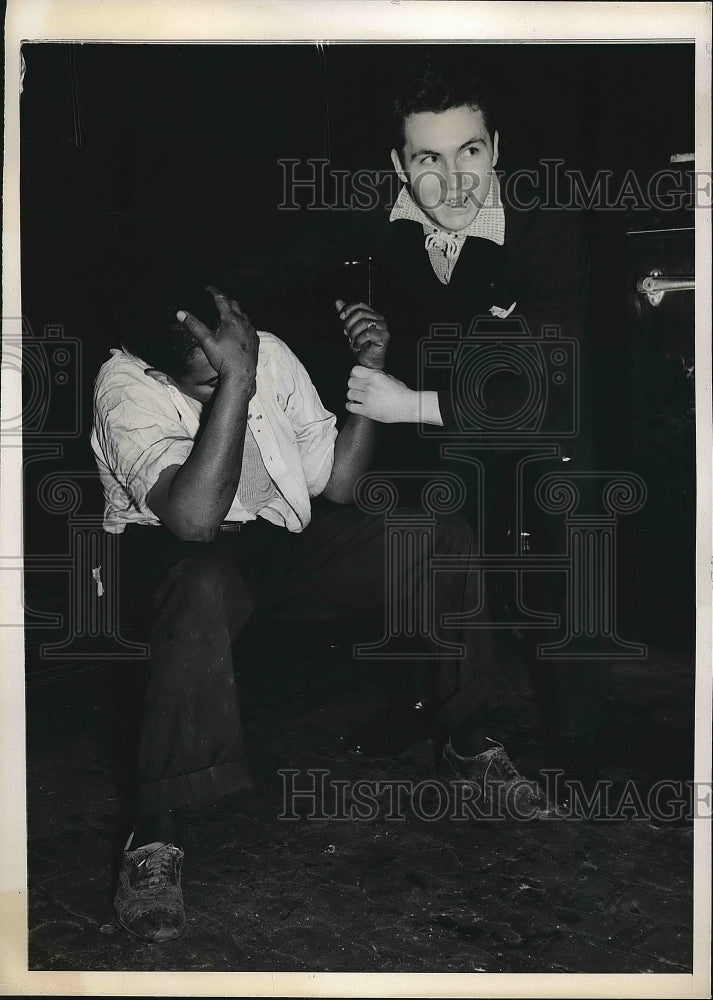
[(158, 864), (506, 764)]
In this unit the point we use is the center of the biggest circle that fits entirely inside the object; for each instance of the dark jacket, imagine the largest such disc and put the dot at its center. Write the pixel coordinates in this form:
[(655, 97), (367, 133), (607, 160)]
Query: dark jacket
[(542, 267), (506, 386)]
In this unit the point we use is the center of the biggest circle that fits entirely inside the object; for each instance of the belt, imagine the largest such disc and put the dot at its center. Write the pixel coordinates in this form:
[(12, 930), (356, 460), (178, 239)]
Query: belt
[(233, 526), (230, 526)]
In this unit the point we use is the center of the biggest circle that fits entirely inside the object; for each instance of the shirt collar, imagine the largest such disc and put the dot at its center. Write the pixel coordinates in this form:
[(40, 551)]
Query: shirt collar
[(489, 223), (131, 357)]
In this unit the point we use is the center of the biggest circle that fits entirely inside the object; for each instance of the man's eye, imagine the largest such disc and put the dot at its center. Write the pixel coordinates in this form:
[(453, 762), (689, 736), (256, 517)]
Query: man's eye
[(429, 159), (471, 150)]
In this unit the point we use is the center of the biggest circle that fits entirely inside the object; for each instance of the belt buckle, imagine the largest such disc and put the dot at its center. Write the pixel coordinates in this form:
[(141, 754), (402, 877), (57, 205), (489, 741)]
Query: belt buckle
[(230, 526)]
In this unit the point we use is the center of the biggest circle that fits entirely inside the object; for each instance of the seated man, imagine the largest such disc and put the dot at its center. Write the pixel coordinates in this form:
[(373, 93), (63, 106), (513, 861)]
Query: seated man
[(234, 494), (466, 250)]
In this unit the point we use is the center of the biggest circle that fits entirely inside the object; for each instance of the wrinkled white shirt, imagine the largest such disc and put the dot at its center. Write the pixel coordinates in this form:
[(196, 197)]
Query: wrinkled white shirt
[(142, 426)]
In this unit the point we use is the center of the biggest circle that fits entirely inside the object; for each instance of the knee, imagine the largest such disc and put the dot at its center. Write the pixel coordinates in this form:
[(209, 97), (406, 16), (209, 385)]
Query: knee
[(212, 572), (208, 577)]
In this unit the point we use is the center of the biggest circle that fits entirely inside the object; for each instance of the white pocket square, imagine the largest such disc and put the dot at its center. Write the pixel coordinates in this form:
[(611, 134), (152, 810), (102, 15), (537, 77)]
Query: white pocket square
[(501, 313)]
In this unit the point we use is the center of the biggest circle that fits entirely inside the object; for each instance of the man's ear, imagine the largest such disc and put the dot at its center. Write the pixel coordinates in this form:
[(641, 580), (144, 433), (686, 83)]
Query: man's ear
[(396, 160), (495, 147), (161, 377)]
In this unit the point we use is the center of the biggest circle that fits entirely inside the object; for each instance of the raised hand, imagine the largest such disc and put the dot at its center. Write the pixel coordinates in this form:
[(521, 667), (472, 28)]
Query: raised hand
[(231, 349), (367, 332)]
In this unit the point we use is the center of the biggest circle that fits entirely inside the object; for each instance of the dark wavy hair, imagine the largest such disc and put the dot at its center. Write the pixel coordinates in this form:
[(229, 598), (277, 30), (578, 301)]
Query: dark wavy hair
[(437, 82)]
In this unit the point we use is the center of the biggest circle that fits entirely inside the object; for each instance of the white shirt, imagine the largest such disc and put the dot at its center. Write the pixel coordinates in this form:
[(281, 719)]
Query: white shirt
[(142, 426), (444, 247)]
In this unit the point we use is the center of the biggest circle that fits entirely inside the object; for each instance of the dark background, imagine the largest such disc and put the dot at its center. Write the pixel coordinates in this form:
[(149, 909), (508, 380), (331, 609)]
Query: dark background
[(133, 153)]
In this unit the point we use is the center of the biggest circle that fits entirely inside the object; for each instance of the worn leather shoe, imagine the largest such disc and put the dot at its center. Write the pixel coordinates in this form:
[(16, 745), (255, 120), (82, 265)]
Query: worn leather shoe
[(499, 790), (149, 900)]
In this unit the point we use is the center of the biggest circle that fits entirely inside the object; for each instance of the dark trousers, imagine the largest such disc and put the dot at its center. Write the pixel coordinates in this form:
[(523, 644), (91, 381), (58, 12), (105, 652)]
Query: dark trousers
[(570, 693), (199, 596)]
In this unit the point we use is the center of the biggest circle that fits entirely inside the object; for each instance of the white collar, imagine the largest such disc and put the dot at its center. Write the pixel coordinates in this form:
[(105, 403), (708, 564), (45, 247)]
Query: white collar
[(488, 224)]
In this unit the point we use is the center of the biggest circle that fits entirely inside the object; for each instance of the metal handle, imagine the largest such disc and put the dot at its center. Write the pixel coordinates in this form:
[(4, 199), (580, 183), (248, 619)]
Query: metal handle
[(655, 285)]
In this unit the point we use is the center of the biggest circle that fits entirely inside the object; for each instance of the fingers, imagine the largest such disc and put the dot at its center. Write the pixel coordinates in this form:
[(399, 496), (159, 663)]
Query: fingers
[(363, 326), (370, 336), (231, 310), (199, 330), (350, 315), (362, 384), (359, 384), (346, 310), (365, 333), (224, 303), (372, 327), (355, 382)]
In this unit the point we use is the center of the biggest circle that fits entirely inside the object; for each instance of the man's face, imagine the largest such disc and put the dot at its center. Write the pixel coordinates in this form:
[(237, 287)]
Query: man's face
[(448, 157), (200, 380)]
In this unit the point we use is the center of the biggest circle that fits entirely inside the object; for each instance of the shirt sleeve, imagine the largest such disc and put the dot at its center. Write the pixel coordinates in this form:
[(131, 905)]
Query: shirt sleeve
[(313, 425), (140, 433)]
